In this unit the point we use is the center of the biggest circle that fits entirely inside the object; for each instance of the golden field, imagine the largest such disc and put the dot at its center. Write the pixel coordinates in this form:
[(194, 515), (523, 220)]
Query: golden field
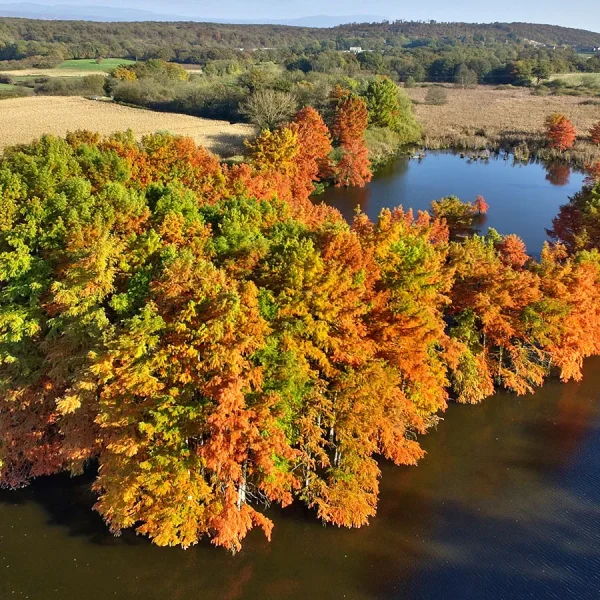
[(24, 119), (505, 111)]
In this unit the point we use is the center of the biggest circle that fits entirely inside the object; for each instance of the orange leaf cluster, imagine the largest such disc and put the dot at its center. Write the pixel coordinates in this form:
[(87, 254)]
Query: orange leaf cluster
[(595, 134), (560, 132)]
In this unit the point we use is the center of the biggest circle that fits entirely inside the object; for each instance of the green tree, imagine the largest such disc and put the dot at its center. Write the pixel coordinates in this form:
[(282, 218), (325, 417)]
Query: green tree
[(389, 106), (464, 76), (542, 70)]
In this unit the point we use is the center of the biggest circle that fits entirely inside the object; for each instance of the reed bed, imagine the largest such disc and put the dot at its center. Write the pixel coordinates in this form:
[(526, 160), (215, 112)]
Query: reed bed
[(510, 119)]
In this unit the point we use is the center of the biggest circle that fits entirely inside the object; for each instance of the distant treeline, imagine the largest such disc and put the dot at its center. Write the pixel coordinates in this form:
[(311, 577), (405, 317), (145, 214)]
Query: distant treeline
[(403, 50)]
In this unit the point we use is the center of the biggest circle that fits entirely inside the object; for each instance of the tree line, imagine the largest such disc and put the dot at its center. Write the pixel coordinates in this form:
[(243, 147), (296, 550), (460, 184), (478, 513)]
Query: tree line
[(498, 53)]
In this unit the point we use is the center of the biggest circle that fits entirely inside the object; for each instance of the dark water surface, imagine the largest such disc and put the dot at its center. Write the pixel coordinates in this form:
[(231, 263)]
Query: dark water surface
[(505, 505), (523, 197)]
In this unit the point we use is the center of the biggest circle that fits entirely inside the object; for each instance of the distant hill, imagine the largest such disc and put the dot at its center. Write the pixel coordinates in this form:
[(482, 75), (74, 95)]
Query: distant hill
[(321, 21), (541, 33), (174, 39), (112, 14), (68, 12)]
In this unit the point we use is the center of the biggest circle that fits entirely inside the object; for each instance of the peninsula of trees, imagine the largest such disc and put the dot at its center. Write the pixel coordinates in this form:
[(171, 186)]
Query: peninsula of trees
[(210, 341)]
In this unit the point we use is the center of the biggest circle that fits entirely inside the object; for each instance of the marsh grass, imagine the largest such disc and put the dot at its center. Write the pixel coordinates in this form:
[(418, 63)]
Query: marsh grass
[(507, 119)]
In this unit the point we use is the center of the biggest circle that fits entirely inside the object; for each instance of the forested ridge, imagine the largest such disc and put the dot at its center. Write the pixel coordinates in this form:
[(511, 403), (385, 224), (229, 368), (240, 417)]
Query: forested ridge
[(78, 33), (211, 341), (190, 41)]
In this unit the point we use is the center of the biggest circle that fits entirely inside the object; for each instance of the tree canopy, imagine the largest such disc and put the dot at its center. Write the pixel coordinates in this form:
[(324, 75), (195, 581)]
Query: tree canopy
[(215, 342)]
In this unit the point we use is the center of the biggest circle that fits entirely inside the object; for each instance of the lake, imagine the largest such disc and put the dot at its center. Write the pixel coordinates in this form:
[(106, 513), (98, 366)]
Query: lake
[(523, 197), (505, 505)]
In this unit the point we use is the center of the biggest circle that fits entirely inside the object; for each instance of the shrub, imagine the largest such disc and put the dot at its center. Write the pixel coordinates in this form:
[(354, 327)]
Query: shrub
[(16, 92), (595, 133), (436, 95), (90, 85), (590, 81), (382, 144)]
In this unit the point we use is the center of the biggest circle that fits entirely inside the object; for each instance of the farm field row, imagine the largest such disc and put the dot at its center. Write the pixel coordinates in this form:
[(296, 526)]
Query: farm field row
[(25, 119), (72, 68)]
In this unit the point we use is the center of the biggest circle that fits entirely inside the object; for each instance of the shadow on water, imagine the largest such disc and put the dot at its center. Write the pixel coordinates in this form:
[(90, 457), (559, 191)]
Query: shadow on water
[(506, 504)]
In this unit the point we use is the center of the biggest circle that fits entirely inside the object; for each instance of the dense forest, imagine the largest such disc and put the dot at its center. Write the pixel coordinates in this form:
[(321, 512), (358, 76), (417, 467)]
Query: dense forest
[(210, 341), (86, 36), (422, 51)]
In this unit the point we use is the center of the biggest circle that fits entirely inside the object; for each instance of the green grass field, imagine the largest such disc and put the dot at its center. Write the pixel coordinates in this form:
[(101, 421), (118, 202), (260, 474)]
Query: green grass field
[(578, 78), (108, 64), (7, 86)]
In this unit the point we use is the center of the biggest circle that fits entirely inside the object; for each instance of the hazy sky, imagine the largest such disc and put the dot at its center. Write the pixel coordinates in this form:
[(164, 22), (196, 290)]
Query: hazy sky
[(576, 13)]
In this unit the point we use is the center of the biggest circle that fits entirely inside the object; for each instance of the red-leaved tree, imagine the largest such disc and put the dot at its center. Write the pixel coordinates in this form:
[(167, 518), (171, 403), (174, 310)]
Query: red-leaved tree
[(349, 126), (314, 146), (560, 132), (481, 206), (595, 133)]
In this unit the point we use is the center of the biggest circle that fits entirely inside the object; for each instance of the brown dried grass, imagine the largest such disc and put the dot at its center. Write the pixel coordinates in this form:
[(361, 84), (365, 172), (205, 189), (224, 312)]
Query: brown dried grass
[(509, 119), (499, 111), (24, 119)]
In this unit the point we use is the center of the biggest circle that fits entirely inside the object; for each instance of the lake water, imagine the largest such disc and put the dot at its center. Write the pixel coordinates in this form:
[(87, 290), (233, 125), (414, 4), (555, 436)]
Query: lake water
[(523, 197), (505, 505)]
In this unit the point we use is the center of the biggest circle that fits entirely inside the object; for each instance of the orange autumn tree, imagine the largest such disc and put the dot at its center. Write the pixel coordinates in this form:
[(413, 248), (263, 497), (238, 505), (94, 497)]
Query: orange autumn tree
[(491, 297), (314, 142), (350, 121), (577, 225), (513, 251), (411, 282), (567, 317), (480, 205), (270, 168), (595, 134), (188, 428), (560, 132)]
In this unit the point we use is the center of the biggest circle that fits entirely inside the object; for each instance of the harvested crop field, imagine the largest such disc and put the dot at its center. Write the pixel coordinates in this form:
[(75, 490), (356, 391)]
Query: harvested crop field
[(25, 119), (492, 112)]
